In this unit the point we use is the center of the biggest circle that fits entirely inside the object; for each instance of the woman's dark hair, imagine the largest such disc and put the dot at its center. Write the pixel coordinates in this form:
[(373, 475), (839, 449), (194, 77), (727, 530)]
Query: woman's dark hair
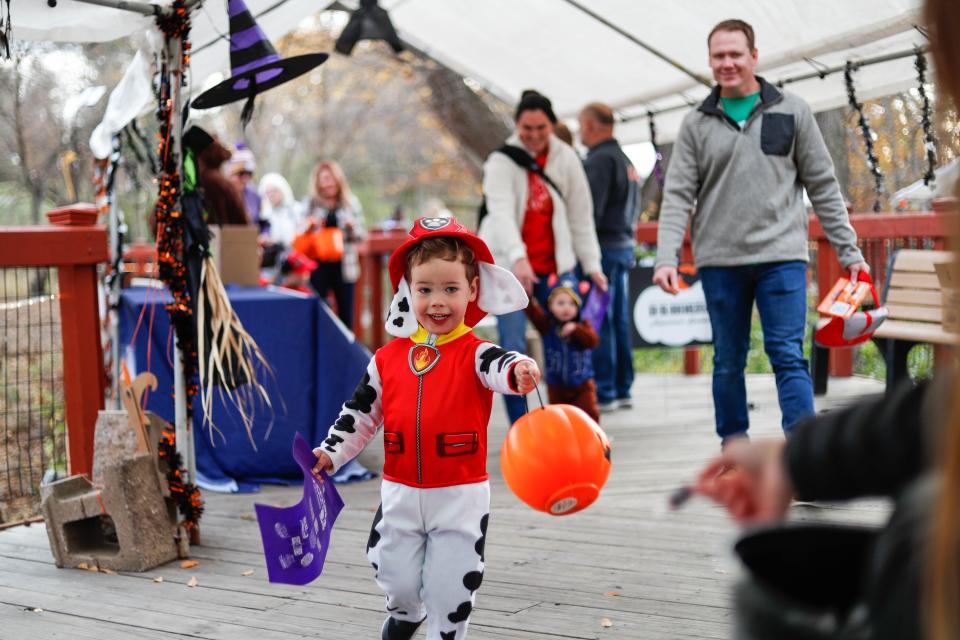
[(531, 100)]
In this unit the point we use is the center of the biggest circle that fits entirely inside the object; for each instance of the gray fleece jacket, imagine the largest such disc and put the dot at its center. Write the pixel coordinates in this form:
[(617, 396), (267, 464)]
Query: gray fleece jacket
[(744, 187)]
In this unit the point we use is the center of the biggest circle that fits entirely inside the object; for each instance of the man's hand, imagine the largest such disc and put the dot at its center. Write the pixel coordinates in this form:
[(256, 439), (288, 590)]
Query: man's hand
[(667, 279), (527, 375), (323, 462), (856, 268), (525, 274), (599, 279)]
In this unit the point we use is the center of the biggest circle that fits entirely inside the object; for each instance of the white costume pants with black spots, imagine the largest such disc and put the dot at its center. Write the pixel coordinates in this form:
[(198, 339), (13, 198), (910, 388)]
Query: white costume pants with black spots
[(427, 548)]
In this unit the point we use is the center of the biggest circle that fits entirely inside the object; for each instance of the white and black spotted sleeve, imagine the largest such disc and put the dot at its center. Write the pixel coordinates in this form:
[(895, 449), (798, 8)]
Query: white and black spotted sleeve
[(358, 421), (494, 364)]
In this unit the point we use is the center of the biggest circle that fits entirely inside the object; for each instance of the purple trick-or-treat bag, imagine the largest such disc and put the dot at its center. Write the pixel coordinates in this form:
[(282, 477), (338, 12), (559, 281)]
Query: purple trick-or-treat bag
[(595, 306), (295, 539)]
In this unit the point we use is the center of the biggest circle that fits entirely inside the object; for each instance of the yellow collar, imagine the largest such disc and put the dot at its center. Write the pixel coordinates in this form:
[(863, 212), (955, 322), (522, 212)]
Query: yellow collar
[(420, 337)]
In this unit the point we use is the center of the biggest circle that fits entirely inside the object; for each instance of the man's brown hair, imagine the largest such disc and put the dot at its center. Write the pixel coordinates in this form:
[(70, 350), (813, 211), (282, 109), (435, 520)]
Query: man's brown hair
[(734, 25), (600, 112), (446, 248)]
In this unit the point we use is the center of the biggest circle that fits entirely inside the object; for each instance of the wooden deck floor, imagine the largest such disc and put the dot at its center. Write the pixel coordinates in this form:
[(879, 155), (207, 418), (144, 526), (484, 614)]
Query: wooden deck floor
[(625, 561)]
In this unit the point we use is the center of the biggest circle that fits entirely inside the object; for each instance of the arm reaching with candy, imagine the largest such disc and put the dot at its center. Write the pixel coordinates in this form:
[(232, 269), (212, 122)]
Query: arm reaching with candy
[(750, 480)]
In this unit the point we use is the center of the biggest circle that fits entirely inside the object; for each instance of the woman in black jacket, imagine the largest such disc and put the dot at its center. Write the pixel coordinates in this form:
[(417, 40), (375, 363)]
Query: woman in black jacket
[(883, 446)]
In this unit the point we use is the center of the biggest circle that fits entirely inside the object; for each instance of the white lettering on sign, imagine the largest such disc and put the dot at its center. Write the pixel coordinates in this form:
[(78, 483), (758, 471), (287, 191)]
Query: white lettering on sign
[(672, 320)]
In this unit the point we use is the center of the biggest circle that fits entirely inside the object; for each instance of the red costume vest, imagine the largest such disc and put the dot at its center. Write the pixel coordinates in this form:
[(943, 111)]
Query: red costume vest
[(434, 424)]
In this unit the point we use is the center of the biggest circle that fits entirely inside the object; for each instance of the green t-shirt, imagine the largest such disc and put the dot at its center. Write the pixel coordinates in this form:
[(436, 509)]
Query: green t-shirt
[(739, 108)]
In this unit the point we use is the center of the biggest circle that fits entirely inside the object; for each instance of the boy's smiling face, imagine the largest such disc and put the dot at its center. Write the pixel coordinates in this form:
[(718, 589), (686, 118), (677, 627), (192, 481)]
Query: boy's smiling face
[(441, 294)]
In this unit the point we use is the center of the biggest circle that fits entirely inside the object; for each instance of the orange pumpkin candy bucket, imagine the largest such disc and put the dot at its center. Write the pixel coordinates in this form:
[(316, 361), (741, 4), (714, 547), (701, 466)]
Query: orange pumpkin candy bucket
[(556, 459)]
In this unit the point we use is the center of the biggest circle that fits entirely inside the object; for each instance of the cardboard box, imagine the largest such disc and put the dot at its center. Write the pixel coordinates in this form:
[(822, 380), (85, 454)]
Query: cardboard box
[(236, 254)]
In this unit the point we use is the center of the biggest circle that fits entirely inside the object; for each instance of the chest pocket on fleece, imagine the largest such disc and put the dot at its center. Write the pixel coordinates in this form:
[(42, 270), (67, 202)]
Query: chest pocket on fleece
[(776, 133)]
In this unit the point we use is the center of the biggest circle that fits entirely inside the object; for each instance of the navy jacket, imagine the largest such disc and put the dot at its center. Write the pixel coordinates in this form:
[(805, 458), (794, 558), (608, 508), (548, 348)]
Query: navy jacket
[(615, 196)]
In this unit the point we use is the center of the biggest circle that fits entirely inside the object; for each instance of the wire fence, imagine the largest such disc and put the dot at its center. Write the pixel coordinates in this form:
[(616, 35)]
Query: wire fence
[(32, 427)]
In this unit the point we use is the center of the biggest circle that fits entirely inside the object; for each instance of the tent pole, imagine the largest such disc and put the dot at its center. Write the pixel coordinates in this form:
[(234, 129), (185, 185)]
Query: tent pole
[(184, 429), (142, 8), (632, 38)]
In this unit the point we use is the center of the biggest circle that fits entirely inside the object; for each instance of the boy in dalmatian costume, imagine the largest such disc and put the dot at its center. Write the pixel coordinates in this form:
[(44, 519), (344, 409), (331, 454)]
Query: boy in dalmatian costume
[(432, 389)]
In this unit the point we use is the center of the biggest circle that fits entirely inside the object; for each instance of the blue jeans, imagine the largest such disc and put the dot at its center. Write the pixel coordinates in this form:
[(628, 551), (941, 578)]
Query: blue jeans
[(780, 290), (613, 357), (512, 328)]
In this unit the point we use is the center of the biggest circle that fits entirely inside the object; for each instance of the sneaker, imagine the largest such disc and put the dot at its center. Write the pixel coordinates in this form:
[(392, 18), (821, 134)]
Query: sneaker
[(625, 403), (394, 629), (608, 407)]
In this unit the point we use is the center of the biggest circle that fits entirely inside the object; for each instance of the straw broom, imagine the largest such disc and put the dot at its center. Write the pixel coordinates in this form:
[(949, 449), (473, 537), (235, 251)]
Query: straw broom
[(233, 354)]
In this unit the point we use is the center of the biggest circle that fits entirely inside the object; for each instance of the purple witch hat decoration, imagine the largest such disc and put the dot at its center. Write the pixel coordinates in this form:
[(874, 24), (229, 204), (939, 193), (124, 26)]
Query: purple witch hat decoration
[(255, 66)]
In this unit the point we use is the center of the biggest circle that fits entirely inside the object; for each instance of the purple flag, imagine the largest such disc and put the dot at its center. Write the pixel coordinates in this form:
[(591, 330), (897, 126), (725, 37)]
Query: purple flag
[(595, 307), (295, 539)]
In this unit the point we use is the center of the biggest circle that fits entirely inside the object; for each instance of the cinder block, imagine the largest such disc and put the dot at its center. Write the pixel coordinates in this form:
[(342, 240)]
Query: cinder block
[(123, 526), (114, 440)]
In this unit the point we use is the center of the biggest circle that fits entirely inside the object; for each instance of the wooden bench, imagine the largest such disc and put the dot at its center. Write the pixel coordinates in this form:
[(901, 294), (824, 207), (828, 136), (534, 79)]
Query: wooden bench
[(914, 299)]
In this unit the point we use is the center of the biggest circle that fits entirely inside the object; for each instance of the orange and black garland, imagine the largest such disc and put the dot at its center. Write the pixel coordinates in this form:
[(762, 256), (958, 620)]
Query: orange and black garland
[(172, 269), (169, 224), (186, 495)]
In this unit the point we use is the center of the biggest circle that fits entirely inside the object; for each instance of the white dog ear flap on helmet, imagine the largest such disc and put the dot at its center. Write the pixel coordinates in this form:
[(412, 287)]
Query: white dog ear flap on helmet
[(401, 321), (500, 291)]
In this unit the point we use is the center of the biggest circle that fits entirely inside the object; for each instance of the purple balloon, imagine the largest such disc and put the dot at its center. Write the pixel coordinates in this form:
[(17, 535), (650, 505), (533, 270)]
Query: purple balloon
[(295, 539)]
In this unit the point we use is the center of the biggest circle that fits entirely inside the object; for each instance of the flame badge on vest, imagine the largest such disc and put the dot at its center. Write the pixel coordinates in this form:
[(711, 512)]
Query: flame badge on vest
[(422, 358)]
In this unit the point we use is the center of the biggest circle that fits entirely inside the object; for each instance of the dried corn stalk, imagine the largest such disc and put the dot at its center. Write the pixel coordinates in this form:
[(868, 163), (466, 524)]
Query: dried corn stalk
[(233, 354)]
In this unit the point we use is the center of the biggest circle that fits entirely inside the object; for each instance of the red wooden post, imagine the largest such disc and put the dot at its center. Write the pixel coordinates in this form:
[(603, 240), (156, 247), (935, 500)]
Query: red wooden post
[(691, 355), (378, 245), (83, 373), (647, 234), (828, 270), (359, 302), (376, 300), (75, 245)]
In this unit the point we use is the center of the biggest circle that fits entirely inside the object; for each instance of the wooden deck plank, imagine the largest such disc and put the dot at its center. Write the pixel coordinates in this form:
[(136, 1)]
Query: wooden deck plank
[(653, 573)]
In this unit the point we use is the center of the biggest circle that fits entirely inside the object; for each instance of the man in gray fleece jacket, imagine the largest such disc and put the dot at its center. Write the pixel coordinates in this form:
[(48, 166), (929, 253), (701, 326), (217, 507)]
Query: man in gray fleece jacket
[(739, 168)]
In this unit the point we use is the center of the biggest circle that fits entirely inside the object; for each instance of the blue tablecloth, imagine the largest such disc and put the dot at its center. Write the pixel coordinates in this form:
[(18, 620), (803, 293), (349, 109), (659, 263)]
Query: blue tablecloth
[(316, 365)]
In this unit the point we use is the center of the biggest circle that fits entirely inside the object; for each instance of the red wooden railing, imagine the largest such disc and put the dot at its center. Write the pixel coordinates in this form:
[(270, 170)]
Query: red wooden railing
[(878, 235), (74, 245)]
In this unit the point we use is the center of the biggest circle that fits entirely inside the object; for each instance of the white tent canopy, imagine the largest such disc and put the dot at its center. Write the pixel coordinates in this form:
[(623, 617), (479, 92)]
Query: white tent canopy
[(557, 47)]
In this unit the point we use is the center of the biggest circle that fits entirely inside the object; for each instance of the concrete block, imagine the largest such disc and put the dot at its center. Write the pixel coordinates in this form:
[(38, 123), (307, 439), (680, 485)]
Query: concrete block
[(123, 526), (113, 440)]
